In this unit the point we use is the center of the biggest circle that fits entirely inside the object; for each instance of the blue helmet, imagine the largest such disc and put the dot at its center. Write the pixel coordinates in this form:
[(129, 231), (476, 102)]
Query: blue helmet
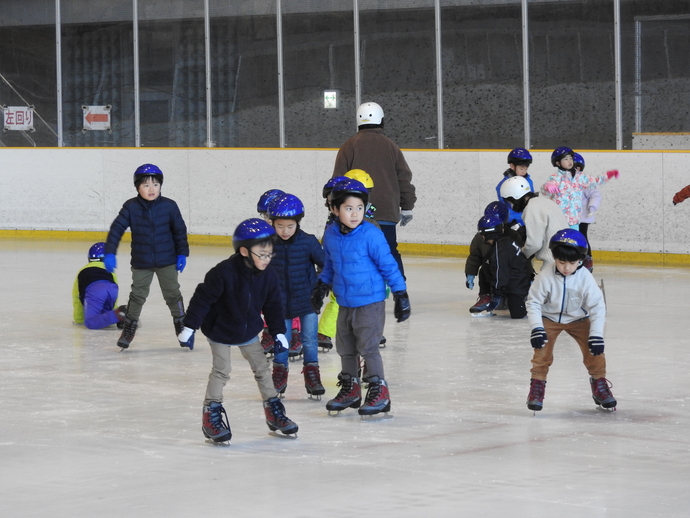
[(578, 160), (490, 226), (559, 153), (146, 170), (264, 200), (331, 183), (286, 206), (350, 187), (569, 237), (499, 208), (519, 156), (97, 251), (250, 232)]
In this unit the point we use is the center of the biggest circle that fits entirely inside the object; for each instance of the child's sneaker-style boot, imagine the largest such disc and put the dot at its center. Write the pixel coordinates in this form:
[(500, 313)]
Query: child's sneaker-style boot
[(267, 342), (535, 400), (280, 377), (349, 396), (178, 322), (378, 398), (312, 381), (482, 304), (601, 393), (276, 418), (215, 423), (129, 329)]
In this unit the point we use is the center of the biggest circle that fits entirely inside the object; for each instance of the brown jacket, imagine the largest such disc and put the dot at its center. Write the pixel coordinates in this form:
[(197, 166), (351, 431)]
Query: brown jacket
[(370, 150)]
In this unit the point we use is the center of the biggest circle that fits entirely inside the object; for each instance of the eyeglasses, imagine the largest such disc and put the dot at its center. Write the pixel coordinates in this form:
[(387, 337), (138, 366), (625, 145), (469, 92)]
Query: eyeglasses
[(263, 257)]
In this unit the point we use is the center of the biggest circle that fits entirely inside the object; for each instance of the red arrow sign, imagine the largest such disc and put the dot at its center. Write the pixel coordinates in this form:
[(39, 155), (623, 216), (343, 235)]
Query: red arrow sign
[(97, 117)]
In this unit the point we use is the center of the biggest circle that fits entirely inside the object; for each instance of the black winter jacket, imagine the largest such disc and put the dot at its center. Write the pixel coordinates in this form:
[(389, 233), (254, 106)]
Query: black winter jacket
[(294, 261), (511, 271), (159, 233), (228, 304)]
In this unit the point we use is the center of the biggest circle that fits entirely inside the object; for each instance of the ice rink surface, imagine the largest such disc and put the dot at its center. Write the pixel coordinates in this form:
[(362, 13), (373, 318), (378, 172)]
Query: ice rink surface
[(89, 431)]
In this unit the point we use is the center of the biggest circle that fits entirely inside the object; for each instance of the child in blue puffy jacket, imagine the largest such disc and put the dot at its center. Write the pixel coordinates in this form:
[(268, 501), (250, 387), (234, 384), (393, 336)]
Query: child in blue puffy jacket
[(357, 268), (159, 246), (296, 255)]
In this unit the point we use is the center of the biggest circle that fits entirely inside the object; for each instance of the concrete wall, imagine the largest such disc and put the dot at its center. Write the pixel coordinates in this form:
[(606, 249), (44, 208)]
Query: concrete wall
[(83, 190)]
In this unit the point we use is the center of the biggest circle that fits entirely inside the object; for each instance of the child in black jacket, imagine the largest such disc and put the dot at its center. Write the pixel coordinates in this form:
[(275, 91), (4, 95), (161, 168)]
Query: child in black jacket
[(227, 307)]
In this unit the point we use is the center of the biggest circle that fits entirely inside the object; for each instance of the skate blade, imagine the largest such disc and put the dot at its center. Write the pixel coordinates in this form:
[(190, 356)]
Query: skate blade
[(483, 314), (324, 349), (382, 346), (381, 416), (315, 397), (281, 435), (222, 443), (604, 409)]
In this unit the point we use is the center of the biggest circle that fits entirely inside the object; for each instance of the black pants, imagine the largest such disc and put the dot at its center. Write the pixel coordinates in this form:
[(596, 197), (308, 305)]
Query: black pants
[(389, 232)]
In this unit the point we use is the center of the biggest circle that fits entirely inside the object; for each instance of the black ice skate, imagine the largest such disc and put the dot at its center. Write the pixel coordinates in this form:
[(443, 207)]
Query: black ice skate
[(382, 343), (378, 398), (482, 304), (312, 381), (350, 395), (280, 377), (178, 322), (128, 331), (215, 423), (601, 393), (276, 418), (325, 343), (535, 400)]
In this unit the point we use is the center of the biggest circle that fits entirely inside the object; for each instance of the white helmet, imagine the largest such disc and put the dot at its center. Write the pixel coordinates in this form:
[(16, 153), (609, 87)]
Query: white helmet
[(515, 187), (369, 113)]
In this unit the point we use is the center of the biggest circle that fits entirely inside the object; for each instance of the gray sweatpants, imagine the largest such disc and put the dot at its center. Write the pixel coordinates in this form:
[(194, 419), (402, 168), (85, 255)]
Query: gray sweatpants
[(358, 334)]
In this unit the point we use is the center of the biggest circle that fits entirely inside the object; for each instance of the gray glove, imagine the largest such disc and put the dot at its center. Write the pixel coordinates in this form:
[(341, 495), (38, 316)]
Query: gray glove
[(405, 217)]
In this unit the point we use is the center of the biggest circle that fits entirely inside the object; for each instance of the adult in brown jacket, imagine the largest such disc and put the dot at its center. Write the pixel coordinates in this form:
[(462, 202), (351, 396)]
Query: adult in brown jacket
[(393, 194)]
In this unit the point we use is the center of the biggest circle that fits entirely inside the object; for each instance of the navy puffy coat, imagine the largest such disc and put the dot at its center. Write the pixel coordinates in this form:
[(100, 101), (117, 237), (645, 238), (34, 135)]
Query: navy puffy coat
[(228, 304), (159, 233), (294, 261)]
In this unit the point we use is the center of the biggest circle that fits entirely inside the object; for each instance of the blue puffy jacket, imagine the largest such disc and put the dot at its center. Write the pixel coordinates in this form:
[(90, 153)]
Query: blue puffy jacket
[(358, 265), (294, 261), (159, 233)]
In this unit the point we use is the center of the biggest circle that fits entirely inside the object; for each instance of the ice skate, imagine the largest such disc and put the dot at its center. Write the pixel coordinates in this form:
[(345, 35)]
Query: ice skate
[(120, 313), (325, 343), (295, 350), (535, 400), (349, 396), (312, 381), (178, 322), (215, 425), (280, 378), (128, 331), (601, 393), (481, 307), (377, 399), (382, 343), (267, 343), (276, 418)]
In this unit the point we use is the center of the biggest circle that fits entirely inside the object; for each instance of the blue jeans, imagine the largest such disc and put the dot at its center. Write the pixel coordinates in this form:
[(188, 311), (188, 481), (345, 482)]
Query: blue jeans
[(99, 302), (310, 325)]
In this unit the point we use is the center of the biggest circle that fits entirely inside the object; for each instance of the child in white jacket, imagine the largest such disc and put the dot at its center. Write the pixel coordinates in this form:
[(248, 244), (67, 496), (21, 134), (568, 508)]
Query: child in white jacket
[(565, 297)]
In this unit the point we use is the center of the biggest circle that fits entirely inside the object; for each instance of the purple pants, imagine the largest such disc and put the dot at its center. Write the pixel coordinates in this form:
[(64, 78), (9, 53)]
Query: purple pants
[(99, 301)]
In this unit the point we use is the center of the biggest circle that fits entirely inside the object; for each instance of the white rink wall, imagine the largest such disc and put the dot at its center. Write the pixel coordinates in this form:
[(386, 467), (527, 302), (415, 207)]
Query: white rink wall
[(83, 190)]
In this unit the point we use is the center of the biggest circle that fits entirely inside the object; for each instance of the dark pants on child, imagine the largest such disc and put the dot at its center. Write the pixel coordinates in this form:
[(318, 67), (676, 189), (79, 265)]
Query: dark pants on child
[(579, 330), (359, 333), (516, 305), (99, 302), (141, 286)]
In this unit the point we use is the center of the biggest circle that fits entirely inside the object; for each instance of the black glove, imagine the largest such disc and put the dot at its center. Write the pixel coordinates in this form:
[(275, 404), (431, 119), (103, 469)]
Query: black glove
[(596, 345), (495, 301), (318, 294), (538, 337), (402, 306)]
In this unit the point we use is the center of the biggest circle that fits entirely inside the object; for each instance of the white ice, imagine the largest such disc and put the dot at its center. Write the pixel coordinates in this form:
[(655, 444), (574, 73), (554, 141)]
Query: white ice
[(89, 431)]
